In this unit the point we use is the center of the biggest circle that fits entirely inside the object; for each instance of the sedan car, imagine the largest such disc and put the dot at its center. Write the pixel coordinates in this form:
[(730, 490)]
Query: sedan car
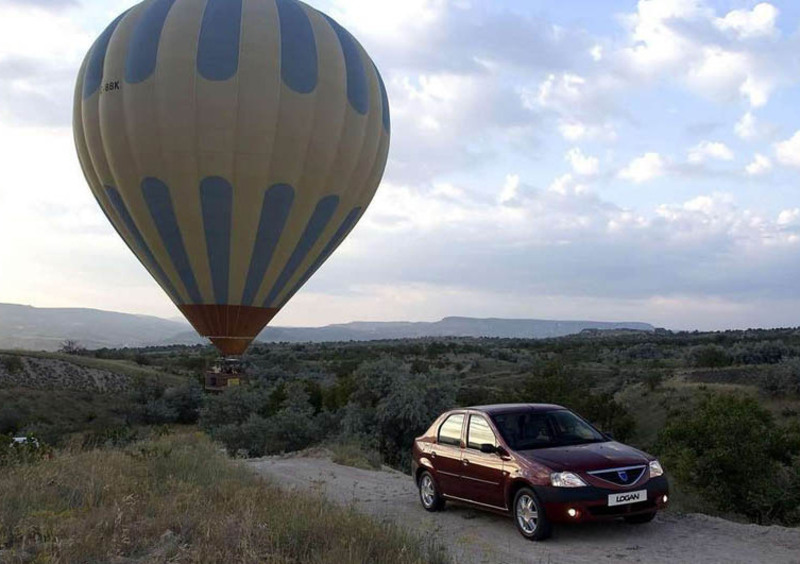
[(539, 463)]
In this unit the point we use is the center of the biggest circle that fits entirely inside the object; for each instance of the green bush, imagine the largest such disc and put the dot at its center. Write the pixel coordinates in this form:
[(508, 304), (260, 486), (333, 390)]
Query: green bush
[(12, 363), (556, 383), (731, 452), (14, 453), (291, 427), (709, 356), (782, 379)]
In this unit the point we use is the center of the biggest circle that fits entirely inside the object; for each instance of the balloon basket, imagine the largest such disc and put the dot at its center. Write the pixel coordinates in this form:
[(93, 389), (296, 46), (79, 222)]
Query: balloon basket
[(224, 374)]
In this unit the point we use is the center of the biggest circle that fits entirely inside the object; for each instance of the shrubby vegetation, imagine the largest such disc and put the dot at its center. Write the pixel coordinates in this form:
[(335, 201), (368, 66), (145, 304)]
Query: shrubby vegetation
[(732, 453), (381, 406), (703, 402), (13, 453), (54, 415)]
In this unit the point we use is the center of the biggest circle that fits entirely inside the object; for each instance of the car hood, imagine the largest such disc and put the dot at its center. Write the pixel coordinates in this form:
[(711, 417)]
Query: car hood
[(592, 456)]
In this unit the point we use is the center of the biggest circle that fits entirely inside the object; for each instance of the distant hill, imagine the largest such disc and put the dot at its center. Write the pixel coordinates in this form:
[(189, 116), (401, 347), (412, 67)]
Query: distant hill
[(34, 328), (447, 327)]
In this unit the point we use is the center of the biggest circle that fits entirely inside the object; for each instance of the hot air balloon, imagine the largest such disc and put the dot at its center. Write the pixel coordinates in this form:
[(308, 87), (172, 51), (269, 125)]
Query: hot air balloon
[(233, 145)]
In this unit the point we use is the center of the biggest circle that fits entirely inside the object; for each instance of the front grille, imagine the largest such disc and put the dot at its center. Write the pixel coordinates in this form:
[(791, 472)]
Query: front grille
[(606, 511), (620, 476)]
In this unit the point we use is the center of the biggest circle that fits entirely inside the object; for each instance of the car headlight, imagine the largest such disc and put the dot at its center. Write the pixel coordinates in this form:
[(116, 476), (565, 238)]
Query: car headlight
[(655, 469), (566, 480)]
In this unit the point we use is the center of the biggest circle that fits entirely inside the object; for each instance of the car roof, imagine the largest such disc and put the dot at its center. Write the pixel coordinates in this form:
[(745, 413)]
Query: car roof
[(514, 407)]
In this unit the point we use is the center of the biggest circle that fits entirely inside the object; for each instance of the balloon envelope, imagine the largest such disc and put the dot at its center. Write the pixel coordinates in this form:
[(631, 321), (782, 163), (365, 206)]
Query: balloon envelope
[(233, 145)]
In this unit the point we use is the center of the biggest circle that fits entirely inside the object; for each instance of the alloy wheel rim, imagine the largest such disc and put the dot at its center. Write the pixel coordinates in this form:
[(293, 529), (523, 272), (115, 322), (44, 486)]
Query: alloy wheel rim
[(527, 515), (427, 492)]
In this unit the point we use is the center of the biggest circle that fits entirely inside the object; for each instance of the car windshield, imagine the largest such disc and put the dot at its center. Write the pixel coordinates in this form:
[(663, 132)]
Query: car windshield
[(525, 430)]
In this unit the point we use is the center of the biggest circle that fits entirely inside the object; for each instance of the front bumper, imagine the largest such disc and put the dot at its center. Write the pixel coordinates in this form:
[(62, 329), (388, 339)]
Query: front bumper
[(591, 503)]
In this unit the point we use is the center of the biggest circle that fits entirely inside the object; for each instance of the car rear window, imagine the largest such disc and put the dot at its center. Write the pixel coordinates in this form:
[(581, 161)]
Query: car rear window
[(450, 431)]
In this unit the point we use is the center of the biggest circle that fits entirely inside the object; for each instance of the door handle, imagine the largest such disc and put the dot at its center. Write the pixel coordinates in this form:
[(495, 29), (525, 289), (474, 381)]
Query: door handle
[(433, 454), (465, 462)]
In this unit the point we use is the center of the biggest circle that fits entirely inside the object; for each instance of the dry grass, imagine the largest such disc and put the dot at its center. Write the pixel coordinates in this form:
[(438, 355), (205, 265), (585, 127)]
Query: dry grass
[(178, 499), (351, 454)]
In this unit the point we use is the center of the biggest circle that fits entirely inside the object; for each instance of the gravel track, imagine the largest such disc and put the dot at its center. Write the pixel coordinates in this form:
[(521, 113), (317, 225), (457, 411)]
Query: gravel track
[(476, 536)]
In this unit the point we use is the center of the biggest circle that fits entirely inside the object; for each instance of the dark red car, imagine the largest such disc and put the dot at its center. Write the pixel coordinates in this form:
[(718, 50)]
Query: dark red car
[(539, 463)]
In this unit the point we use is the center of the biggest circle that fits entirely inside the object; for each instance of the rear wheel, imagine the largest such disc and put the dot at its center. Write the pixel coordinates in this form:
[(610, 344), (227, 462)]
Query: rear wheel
[(429, 494), (529, 516), (641, 518)]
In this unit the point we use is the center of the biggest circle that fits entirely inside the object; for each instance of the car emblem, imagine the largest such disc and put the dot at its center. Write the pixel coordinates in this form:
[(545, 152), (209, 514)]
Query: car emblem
[(623, 475)]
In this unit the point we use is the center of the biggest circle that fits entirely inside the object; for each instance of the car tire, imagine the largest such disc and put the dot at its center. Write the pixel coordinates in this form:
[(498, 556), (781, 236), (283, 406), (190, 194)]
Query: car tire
[(429, 494), (641, 518), (529, 516)]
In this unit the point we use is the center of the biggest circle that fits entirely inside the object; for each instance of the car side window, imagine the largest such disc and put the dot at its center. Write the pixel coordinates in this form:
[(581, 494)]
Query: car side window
[(450, 430), (479, 433)]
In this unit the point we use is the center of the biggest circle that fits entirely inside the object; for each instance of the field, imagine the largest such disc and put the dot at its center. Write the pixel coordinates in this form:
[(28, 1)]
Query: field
[(178, 499), (719, 409)]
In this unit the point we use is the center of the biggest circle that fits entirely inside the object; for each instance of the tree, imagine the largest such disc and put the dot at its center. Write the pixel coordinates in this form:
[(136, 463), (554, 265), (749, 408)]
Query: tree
[(72, 347), (709, 356), (13, 364), (733, 454)]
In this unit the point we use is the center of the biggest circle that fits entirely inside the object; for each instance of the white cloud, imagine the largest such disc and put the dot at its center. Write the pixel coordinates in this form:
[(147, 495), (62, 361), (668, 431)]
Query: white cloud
[(705, 150), (392, 21), (760, 165), (788, 151), (582, 164), (747, 126), (644, 168), (575, 130), (655, 41), (567, 184), (510, 188), (758, 22), (596, 53), (725, 75), (722, 58), (558, 91), (789, 217), (57, 35)]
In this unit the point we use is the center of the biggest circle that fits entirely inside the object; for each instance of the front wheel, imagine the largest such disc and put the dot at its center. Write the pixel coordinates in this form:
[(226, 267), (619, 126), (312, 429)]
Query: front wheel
[(641, 518), (529, 516), (429, 494)]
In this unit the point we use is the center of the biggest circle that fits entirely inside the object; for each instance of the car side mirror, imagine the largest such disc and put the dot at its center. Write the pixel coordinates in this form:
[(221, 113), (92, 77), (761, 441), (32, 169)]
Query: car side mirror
[(488, 448)]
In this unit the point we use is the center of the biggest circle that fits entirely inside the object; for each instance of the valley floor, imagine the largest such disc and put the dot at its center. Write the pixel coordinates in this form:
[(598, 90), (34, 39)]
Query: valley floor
[(476, 536)]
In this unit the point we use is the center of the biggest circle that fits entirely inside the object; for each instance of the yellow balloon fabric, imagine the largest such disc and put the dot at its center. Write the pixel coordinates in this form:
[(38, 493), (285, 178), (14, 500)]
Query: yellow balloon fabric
[(233, 145)]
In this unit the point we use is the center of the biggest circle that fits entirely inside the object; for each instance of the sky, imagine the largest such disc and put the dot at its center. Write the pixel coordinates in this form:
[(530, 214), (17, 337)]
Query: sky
[(614, 160)]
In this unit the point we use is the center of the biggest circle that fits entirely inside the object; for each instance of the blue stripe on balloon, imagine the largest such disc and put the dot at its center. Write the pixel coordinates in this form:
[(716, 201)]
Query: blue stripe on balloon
[(156, 194), (218, 49), (387, 123), (97, 60), (298, 47), (143, 48), (149, 259), (216, 199), (357, 89), (335, 241), (314, 228), (274, 213)]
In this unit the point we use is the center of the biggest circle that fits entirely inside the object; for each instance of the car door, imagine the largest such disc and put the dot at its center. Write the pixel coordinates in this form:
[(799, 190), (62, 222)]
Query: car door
[(482, 474), (446, 454)]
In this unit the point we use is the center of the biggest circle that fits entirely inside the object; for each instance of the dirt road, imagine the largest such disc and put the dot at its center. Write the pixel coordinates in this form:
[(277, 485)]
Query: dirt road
[(475, 536)]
